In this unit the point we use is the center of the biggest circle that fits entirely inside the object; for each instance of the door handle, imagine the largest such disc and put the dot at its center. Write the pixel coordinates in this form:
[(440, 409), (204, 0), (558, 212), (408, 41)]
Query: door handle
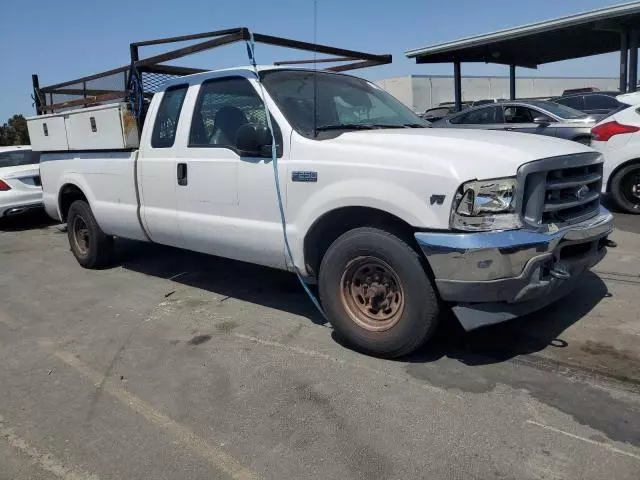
[(182, 174), (510, 129)]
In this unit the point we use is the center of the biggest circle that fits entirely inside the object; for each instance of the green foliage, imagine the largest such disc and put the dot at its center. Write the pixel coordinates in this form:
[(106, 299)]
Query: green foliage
[(14, 132)]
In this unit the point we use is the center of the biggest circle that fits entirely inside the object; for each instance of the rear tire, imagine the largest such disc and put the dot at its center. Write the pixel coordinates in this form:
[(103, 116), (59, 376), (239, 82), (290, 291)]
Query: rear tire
[(376, 293), (89, 244), (625, 188)]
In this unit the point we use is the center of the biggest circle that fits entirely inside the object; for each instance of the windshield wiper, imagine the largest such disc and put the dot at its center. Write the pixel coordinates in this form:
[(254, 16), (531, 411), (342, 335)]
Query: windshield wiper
[(355, 126), (414, 125)]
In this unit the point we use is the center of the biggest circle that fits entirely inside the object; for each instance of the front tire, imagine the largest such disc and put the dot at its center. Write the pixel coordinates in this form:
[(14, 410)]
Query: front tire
[(625, 188), (89, 244), (376, 293)]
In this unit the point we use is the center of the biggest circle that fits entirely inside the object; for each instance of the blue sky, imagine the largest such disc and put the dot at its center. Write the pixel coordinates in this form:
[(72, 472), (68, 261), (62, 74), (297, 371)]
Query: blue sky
[(65, 39)]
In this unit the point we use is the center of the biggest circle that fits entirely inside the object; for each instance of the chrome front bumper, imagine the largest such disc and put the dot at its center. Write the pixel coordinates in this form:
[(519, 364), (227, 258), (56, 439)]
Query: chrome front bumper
[(495, 276)]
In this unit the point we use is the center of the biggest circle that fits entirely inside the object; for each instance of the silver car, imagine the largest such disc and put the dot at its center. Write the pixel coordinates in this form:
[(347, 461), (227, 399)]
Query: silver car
[(526, 116)]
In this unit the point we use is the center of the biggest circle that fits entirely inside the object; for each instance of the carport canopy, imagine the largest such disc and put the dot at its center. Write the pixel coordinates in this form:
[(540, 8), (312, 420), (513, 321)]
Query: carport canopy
[(595, 32)]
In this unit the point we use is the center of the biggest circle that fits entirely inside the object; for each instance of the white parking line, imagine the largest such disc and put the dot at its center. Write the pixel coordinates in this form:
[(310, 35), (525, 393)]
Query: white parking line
[(45, 461), (583, 439), (216, 457)]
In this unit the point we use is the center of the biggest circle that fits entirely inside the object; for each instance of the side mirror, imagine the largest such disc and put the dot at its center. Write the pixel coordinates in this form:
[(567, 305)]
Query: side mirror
[(251, 141), (542, 121)]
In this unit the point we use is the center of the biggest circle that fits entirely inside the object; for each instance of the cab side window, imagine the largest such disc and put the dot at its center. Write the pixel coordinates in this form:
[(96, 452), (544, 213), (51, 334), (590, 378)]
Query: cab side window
[(164, 128), (223, 106)]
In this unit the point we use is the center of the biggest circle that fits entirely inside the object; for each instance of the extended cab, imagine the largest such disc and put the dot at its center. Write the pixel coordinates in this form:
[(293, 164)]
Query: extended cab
[(392, 219)]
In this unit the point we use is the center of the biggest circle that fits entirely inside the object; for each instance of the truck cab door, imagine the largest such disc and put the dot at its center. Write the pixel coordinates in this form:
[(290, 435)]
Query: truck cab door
[(227, 204), (157, 168)]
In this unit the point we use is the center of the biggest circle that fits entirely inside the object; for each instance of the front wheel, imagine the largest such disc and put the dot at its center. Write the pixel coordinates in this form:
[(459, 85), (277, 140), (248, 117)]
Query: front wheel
[(377, 294), (89, 244), (625, 188)]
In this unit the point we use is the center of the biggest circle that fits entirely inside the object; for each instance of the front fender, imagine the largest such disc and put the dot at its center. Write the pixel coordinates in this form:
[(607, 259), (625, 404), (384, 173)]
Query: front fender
[(377, 194)]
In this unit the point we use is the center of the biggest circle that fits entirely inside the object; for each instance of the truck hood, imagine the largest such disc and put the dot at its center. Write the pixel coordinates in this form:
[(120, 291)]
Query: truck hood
[(470, 153)]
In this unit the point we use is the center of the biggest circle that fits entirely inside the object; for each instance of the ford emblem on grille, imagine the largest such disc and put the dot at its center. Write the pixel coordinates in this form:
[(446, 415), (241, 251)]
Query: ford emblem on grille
[(582, 192)]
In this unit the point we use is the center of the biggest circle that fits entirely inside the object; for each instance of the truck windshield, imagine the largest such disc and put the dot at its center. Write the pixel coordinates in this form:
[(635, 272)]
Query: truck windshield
[(342, 102)]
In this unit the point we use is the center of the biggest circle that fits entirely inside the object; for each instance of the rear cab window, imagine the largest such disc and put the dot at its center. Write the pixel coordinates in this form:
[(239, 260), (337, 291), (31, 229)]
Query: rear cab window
[(166, 122)]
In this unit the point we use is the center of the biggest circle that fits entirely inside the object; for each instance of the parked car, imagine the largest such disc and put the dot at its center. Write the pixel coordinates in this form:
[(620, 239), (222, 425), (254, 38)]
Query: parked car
[(20, 188), (596, 104), (532, 116), (486, 101), (389, 218), (436, 113), (618, 138), (570, 91)]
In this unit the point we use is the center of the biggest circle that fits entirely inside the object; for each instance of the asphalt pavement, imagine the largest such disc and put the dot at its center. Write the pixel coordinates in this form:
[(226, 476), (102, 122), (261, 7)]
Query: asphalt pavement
[(176, 365)]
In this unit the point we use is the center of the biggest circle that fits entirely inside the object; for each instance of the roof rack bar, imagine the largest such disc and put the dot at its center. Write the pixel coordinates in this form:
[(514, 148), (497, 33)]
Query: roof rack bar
[(314, 47), (153, 64), (84, 79), (184, 38), (81, 101), (170, 69), (356, 65), (198, 47), (314, 60)]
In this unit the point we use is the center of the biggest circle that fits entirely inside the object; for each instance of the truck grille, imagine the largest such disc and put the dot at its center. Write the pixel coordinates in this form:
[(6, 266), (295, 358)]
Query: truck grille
[(561, 190)]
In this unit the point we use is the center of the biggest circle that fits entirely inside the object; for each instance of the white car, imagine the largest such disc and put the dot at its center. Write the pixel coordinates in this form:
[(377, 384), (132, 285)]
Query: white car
[(618, 138), (20, 188)]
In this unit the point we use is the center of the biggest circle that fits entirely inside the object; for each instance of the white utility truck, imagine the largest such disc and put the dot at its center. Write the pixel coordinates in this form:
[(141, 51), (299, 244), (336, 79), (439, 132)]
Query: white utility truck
[(392, 219)]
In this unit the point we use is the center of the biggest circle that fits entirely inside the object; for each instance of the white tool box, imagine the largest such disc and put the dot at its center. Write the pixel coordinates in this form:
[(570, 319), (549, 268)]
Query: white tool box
[(104, 127)]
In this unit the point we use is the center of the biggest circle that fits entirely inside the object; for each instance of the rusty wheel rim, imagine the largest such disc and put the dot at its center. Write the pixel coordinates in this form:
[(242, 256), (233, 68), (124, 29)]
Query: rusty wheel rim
[(81, 235), (372, 294)]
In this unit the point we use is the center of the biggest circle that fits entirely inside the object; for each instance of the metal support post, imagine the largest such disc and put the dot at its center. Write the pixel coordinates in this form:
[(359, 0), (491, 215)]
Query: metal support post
[(512, 82), (457, 85)]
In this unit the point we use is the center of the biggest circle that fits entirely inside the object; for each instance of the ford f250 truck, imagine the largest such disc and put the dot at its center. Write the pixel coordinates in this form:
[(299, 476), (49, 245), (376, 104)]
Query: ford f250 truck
[(392, 219)]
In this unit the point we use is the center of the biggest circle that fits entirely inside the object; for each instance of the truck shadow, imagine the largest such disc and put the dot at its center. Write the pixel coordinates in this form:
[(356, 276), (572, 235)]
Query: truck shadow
[(229, 278), (526, 335), (280, 290), (32, 220)]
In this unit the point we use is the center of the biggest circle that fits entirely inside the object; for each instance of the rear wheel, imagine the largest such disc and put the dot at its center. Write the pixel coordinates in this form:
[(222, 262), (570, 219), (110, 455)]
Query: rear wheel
[(625, 188), (89, 244), (377, 294)]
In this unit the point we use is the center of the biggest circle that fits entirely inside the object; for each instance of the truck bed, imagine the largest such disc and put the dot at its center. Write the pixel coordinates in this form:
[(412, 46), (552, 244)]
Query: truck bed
[(112, 193)]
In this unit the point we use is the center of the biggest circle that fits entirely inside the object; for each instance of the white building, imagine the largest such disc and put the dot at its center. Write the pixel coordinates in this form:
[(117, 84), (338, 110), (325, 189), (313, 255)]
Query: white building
[(421, 92)]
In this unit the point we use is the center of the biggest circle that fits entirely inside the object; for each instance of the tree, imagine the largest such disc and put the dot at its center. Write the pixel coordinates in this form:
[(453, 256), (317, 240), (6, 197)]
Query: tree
[(14, 132)]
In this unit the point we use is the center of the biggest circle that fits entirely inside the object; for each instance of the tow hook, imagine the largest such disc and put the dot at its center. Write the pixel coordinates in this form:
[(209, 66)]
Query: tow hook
[(560, 272)]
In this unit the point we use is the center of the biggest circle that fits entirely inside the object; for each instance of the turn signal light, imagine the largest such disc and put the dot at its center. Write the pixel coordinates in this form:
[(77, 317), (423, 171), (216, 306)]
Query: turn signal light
[(604, 132), (4, 187)]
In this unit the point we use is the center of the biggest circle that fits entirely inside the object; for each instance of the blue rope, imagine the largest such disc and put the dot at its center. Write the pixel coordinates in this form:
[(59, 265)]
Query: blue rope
[(276, 176)]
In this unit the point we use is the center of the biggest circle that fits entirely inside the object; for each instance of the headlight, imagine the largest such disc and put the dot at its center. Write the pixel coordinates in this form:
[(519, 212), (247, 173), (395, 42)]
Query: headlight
[(483, 205)]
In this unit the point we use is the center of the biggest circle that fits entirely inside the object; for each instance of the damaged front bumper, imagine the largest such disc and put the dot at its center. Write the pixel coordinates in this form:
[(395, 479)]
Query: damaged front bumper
[(491, 277)]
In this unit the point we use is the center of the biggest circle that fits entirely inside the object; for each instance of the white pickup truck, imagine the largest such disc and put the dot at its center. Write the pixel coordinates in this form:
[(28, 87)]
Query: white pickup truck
[(391, 218)]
